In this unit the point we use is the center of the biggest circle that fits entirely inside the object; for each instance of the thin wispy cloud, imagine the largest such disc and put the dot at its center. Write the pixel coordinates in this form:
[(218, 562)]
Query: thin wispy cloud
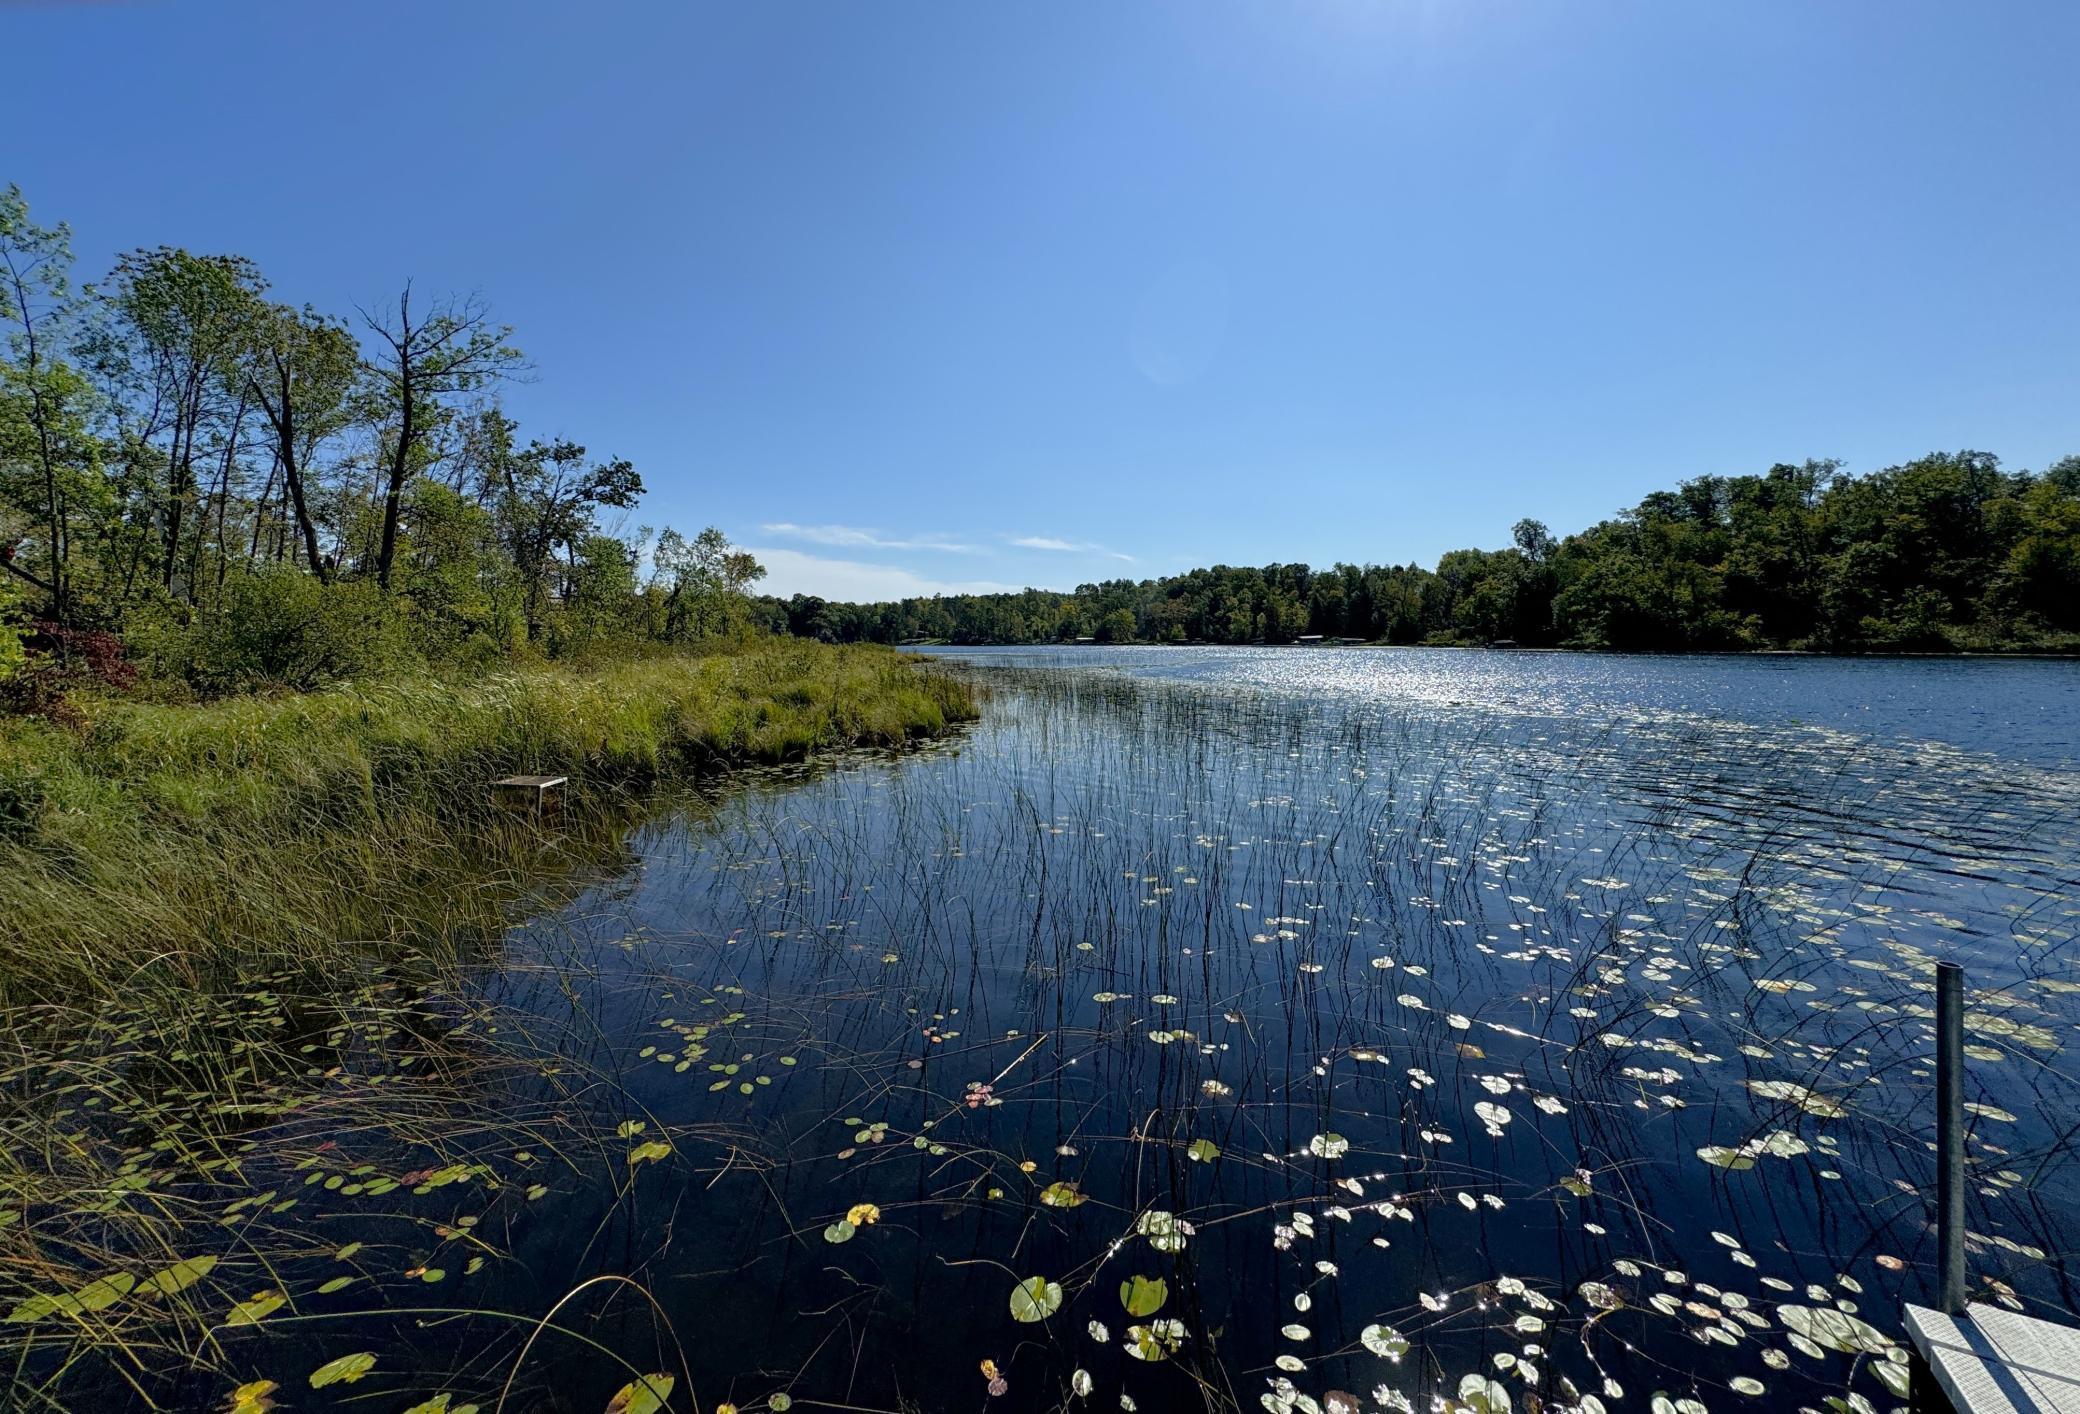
[(1066, 547), (790, 572), (862, 538)]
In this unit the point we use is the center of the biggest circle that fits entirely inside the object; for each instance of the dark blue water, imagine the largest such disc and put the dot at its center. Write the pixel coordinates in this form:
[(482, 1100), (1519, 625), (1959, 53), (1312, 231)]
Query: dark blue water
[(1550, 1021)]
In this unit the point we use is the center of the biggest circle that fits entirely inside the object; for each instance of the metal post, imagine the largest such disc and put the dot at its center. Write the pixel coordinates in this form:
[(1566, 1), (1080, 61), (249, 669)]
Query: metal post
[(1950, 1132)]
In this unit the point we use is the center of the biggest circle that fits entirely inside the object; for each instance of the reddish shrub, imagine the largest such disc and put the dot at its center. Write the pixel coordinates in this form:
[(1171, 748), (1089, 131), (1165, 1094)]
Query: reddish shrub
[(59, 660)]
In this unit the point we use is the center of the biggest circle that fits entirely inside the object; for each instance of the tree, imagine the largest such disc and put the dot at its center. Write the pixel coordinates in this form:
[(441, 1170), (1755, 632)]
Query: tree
[(1117, 627), (600, 591), (450, 349), (302, 369), (2041, 574), (189, 317), (549, 500), (42, 425), (809, 616), (708, 581), (483, 454), (451, 570)]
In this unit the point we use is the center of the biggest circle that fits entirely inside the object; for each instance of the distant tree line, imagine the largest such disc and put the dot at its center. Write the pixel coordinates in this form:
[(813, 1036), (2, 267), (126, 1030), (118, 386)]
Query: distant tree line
[(1945, 553), (220, 490), (229, 490)]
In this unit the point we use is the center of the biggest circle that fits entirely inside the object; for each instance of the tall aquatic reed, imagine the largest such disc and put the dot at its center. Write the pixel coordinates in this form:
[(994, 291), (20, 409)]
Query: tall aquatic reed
[(175, 843)]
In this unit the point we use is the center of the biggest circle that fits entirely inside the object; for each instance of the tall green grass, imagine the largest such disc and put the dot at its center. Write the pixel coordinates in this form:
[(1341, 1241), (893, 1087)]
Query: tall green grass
[(155, 844)]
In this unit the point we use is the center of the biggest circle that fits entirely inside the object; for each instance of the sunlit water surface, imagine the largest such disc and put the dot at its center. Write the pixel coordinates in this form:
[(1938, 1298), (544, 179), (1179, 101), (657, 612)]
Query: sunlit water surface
[(1532, 1026), (1222, 1029)]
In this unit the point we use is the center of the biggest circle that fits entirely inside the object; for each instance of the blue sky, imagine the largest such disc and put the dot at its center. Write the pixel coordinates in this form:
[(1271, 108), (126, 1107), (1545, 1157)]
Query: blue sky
[(911, 297)]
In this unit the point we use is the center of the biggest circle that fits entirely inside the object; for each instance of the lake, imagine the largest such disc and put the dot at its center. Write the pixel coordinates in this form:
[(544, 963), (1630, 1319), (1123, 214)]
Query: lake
[(1237, 1028)]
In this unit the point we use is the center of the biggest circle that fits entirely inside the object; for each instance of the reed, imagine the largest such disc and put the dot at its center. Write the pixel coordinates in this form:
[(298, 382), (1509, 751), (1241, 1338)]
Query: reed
[(152, 844)]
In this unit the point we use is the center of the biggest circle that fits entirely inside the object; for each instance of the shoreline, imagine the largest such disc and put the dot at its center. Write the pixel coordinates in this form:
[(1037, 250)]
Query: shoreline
[(175, 844), (2020, 654)]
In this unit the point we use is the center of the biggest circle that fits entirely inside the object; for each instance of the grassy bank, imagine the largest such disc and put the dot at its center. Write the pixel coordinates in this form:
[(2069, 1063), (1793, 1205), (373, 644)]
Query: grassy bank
[(154, 844)]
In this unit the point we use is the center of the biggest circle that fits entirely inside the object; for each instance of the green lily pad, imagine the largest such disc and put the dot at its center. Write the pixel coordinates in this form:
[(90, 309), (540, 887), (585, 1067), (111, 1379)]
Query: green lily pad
[(1035, 1299), (255, 1308), (178, 1277), (1062, 1195), (1143, 1296), (644, 1396), (343, 1371), (1384, 1341), (1720, 1156)]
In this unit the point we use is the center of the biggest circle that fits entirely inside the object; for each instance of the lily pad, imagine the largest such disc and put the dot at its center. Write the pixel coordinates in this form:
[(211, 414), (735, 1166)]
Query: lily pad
[(343, 1371), (644, 1396), (1166, 1232), (1384, 1341), (255, 1308), (1721, 1156), (1143, 1296), (1158, 1340), (1035, 1299), (178, 1277)]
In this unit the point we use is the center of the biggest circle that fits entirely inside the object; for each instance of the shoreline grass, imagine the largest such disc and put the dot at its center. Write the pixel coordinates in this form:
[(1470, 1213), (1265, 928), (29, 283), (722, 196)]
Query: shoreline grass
[(150, 843)]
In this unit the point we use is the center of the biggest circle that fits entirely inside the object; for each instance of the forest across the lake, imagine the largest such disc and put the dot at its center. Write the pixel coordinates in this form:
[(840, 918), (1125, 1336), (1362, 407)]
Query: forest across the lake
[(1948, 553), (206, 491)]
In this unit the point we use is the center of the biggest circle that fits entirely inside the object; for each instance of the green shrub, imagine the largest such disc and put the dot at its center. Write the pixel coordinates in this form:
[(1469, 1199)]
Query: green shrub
[(10, 633), (280, 627)]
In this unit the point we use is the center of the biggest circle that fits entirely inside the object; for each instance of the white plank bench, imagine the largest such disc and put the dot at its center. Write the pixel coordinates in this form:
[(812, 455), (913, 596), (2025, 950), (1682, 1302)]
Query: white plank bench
[(1993, 1361), (531, 793)]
